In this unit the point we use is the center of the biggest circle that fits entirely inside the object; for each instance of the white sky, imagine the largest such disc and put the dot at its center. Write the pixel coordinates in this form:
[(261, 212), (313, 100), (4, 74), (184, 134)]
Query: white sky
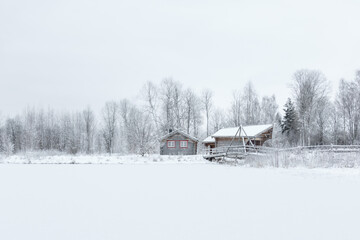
[(72, 53)]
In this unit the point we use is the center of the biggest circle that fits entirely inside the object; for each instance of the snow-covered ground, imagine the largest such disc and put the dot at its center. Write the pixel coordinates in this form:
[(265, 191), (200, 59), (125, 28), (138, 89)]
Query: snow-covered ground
[(183, 200), (46, 158)]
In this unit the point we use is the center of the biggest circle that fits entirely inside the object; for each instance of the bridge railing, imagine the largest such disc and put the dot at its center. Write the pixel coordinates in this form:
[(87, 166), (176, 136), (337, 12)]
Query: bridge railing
[(237, 149)]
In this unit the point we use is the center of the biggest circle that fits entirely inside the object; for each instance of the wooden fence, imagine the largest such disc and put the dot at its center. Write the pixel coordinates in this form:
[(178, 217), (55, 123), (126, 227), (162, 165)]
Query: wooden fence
[(323, 156), (267, 150)]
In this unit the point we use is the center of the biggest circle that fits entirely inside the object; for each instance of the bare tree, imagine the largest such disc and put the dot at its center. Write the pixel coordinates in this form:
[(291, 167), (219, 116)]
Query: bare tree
[(110, 117), (14, 133), (190, 102), (143, 137), (150, 94), (172, 103), (178, 105), (196, 116), (29, 123), (126, 121), (342, 101), (269, 108), (348, 104), (236, 109), (218, 120), (207, 101), (322, 121), (167, 89), (251, 105), (70, 136), (335, 125), (309, 88), (6, 145), (89, 121)]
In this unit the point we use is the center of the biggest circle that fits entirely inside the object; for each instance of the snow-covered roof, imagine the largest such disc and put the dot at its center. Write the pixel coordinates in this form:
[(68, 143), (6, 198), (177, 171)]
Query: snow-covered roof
[(177, 131), (250, 131), (209, 139)]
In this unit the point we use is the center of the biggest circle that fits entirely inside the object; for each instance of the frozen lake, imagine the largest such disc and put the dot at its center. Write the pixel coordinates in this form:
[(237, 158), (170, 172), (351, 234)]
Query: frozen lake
[(177, 201)]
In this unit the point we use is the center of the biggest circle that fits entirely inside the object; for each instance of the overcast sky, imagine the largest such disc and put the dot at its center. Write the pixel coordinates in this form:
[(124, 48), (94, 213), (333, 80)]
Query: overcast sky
[(72, 53)]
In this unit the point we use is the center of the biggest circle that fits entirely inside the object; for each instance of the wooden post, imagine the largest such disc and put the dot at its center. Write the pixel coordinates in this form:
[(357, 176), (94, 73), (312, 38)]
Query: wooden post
[(249, 139), (244, 145), (239, 130)]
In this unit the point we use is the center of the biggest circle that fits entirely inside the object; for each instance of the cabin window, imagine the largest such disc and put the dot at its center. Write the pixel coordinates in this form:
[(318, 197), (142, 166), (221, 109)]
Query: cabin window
[(171, 144), (183, 144)]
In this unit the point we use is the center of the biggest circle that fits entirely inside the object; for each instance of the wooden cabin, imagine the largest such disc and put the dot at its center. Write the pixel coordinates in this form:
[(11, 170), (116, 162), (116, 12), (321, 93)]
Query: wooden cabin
[(178, 143), (255, 134)]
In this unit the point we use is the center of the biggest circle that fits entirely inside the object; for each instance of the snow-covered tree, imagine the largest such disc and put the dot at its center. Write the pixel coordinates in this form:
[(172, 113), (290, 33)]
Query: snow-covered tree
[(269, 108), (250, 105), (142, 134), (90, 129), (150, 93), (322, 124), (190, 104), (218, 120), (110, 119), (236, 109), (14, 133), (207, 101), (347, 101), (289, 124), (309, 88)]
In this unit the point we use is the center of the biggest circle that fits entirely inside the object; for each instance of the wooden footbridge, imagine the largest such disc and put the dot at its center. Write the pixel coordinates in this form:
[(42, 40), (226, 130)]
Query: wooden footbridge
[(236, 152)]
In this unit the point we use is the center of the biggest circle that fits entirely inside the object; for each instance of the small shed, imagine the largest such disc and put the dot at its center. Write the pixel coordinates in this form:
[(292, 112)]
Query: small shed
[(178, 142)]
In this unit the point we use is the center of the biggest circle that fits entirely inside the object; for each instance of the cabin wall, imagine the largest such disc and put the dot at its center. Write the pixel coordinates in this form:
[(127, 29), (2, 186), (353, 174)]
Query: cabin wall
[(190, 150), (265, 136), (225, 142)]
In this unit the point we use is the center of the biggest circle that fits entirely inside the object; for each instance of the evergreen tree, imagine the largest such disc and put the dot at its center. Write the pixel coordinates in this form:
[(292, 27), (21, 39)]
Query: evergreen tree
[(289, 124)]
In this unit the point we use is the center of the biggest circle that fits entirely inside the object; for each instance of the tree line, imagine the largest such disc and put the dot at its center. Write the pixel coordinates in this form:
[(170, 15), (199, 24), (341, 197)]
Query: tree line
[(309, 117), (312, 118)]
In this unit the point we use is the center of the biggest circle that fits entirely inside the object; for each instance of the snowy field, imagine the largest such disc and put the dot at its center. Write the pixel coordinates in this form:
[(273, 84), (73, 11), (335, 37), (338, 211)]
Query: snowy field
[(176, 200), (46, 158)]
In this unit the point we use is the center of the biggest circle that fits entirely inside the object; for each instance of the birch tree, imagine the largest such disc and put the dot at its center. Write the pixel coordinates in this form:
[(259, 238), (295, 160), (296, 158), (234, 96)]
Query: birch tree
[(190, 105), (142, 136), (89, 122), (29, 123), (110, 118), (236, 109), (218, 120), (341, 103), (269, 108), (196, 117), (207, 101), (309, 88), (251, 105), (125, 111), (322, 122), (167, 89), (178, 105), (151, 97), (348, 103)]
